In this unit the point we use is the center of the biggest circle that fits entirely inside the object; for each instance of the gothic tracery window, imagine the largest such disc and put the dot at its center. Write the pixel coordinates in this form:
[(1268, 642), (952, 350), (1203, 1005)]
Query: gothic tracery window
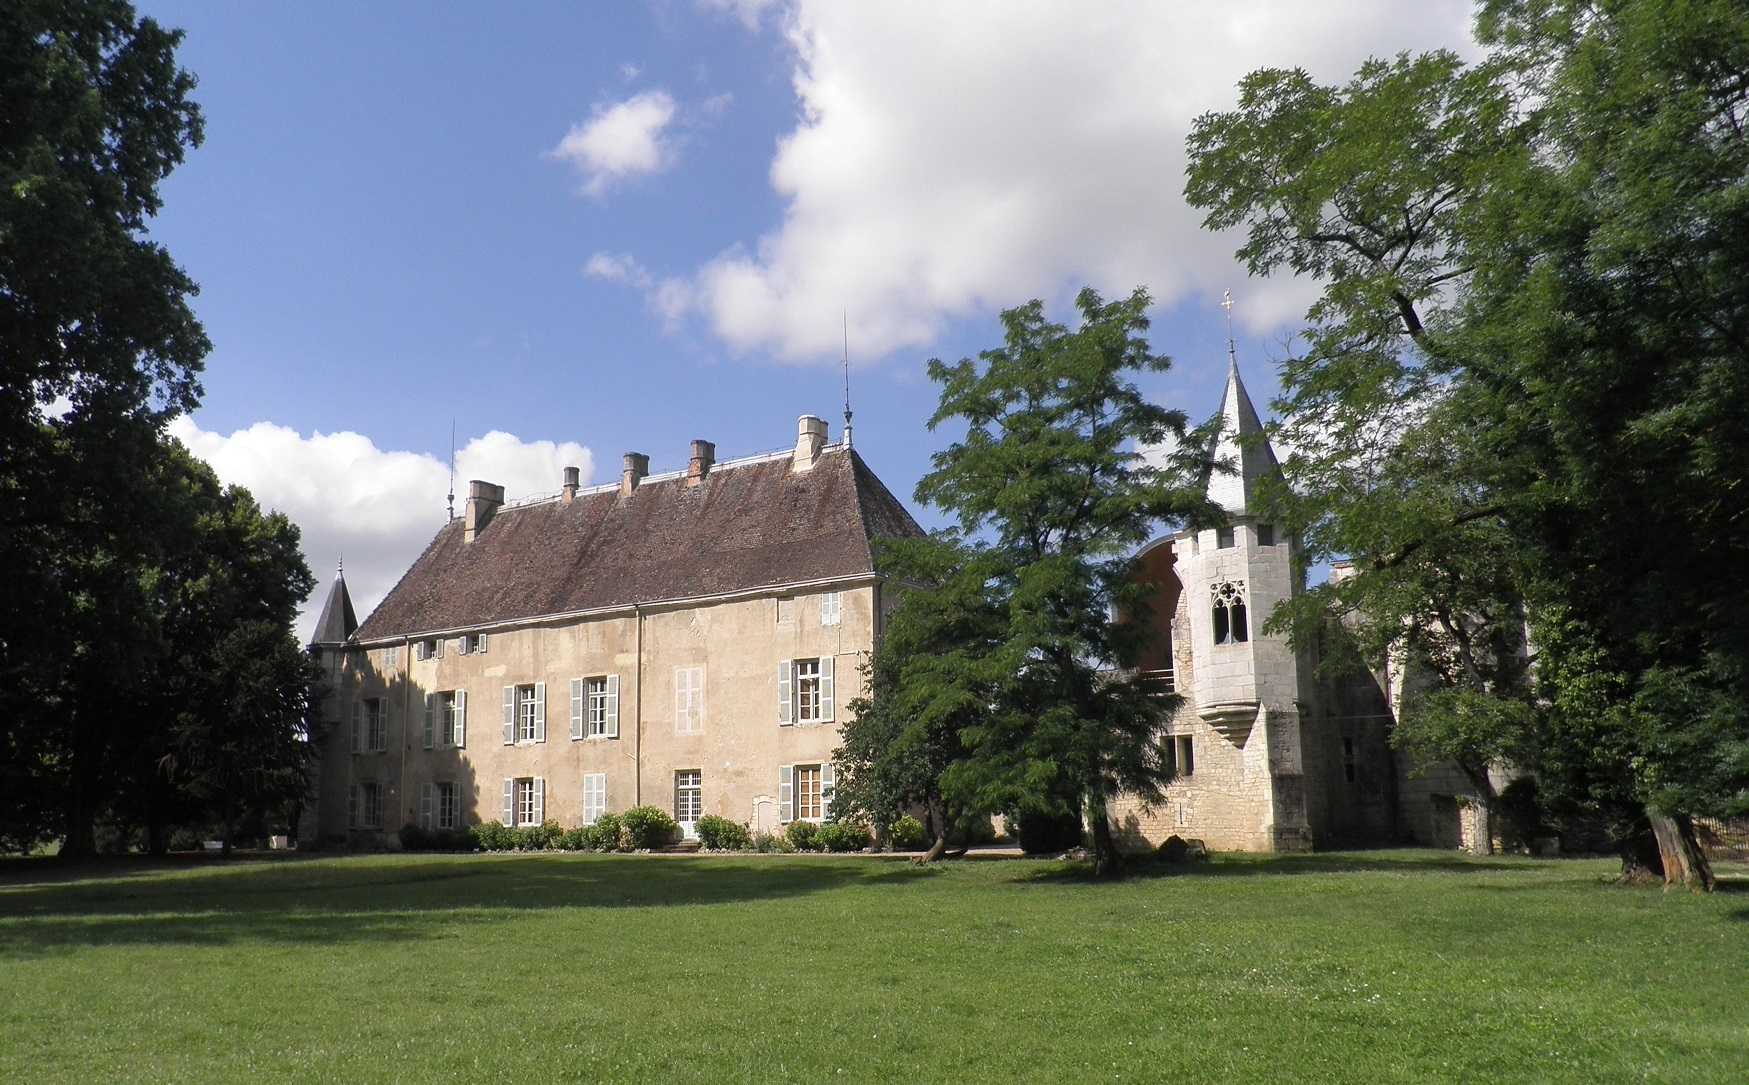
[(1229, 612)]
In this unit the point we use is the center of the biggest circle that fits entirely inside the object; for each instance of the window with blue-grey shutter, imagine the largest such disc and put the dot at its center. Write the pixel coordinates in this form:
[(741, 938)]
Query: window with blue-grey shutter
[(358, 727), (430, 720), (510, 799), (576, 708), (786, 709), (425, 806), (786, 794), (540, 712), (509, 717)]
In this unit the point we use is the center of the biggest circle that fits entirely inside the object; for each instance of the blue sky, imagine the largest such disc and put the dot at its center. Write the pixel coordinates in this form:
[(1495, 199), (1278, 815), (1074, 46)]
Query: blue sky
[(582, 229)]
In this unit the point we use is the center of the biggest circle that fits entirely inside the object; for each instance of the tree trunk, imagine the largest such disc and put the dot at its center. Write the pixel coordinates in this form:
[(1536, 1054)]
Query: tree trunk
[(1107, 860), (936, 850), (230, 817), (1679, 852)]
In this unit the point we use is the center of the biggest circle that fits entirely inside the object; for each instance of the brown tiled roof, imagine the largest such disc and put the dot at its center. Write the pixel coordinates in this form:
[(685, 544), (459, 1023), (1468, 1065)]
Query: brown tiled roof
[(749, 525)]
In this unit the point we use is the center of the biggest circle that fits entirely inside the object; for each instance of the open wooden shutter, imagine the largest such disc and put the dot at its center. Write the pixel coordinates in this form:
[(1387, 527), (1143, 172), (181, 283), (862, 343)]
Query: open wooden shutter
[(786, 708), (509, 715), (612, 706), (786, 794), (578, 706), (352, 808), (425, 806), (430, 720), (509, 801), (826, 688), (828, 781), (480, 643), (461, 718), (540, 800), (540, 711), (439, 644), (357, 726)]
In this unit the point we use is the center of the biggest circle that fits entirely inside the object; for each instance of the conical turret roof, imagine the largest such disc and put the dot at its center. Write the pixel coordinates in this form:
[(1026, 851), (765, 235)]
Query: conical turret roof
[(1241, 448), (338, 621)]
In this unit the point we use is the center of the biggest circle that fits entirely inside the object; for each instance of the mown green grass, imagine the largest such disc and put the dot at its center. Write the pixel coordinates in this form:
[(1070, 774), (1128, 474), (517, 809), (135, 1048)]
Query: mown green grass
[(1361, 967)]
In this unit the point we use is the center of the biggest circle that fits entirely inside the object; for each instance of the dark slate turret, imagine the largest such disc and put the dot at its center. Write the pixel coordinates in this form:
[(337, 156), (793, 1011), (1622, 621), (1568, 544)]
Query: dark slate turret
[(338, 621)]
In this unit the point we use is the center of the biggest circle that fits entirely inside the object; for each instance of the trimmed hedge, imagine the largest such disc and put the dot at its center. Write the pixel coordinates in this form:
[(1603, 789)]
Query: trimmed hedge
[(721, 834), (646, 827), (843, 836)]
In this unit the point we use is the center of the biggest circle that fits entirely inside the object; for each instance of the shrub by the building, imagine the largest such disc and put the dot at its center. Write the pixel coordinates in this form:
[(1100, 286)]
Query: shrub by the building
[(842, 836), (802, 835), (907, 834), (646, 827), (720, 834), (415, 838)]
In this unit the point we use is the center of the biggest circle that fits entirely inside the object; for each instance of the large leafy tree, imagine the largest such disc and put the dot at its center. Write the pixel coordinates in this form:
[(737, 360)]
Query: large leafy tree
[(1521, 398), (1052, 500)]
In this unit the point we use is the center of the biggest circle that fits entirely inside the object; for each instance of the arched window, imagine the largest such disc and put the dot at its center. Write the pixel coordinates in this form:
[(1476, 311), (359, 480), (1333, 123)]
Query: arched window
[(1229, 612)]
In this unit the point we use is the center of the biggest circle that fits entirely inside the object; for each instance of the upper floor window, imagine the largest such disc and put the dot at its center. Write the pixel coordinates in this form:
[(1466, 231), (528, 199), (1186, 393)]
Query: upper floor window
[(1265, 534), (370, 725), (831, 608), (595, 707), (1229, 612), (392, 656), (688, 700), (446, 719), (472, 644), (1223, 538), (804, 690), (428, 648), (525, 713)]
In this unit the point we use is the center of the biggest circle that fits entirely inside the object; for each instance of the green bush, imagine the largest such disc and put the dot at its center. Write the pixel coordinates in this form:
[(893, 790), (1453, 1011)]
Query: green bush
[(1046, 833), (803, 835), (771, 842), (414, 838), (492, 836), (721, 834), (907, 834), (842, 836), (609, 833), (647, 827)]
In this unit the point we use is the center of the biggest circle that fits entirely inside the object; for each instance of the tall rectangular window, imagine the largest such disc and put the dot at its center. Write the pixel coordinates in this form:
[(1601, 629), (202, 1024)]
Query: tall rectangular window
[(527, 714), (1223, 538), (1186, 755), (451, 718), (688, 798), (688, 700), (1265, 534), (448, 808), (809, 806), (367, 807), (376, 721), (597, 708), (808, 690), (526, 807), (831, 608)]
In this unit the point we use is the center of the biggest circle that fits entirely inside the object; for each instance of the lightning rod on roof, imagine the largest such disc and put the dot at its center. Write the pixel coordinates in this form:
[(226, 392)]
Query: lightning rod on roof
[(452, 467), (847, 378)]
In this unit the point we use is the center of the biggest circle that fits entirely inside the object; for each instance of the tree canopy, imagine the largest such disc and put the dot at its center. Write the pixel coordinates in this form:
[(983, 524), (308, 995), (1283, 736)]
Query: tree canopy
[(1520, 407)]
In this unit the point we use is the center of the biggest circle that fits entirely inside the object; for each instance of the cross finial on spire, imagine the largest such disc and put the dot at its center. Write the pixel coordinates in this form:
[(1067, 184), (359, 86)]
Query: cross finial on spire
[(1227, 304), (340, 569)]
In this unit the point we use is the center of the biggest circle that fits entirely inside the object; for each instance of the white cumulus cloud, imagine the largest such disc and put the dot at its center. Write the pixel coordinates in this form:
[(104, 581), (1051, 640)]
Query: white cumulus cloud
[(373, 507), (954, 159), (621, 140)]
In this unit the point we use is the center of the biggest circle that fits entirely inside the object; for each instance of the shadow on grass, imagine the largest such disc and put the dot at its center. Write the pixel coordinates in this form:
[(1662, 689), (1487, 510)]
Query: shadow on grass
[(1227, 866), (376, 898)]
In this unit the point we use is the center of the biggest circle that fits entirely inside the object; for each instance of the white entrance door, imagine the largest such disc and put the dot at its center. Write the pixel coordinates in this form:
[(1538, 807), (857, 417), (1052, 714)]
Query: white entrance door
[(688, 801)]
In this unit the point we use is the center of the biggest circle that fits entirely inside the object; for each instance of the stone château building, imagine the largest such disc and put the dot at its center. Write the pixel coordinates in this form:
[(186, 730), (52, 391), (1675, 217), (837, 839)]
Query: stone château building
[(689, 641)]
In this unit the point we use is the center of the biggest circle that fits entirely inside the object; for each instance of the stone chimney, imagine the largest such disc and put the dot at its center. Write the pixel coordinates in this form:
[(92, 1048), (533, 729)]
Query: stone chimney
[(568, 492), (637, 465), (704, 456), (484, 499), (810, 439)]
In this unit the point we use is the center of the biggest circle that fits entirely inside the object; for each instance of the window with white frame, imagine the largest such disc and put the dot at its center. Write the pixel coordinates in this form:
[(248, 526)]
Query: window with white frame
[(428, 648), (804, 792), (688, 800), (594, 796), (370, 725), (595, 707), (471, 644), (367, 806), (524, 800), (688, 700), (804, 690), (392, 656), (446, 715), (525, 713), (831, 608)]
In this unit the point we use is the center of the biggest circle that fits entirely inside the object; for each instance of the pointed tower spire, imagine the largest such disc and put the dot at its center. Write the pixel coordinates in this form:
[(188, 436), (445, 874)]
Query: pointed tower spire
[(338, 620), (1240, 446)]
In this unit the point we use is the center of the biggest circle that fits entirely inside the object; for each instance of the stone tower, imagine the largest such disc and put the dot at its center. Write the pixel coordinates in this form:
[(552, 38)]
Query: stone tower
[(1247, 686)]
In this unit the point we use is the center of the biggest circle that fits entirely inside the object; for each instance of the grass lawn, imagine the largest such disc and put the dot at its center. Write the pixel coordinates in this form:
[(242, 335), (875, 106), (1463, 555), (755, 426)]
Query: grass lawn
[(1356, 967)]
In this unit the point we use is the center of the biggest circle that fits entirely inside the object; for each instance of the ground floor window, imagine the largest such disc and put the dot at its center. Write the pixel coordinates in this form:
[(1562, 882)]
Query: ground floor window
[(448, 816), (524, 800), (367, 806), (594, 796), (808, 805), (1180, 755), (688, 799)]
